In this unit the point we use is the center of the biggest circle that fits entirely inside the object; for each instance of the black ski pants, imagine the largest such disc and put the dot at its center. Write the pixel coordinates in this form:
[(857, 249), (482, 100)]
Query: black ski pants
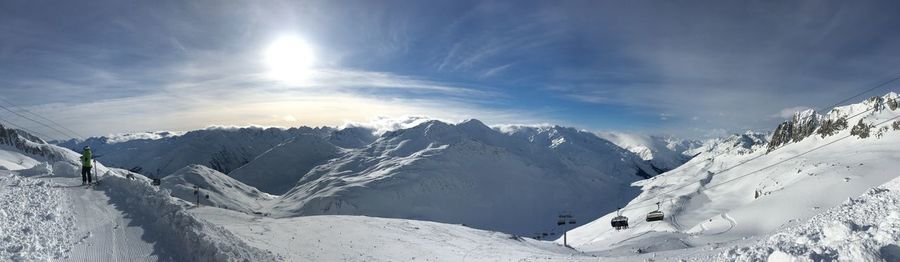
[(86, 174)]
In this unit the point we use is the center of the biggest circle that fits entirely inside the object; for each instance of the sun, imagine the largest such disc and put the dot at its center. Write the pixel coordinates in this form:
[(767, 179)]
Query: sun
[(289, 59)]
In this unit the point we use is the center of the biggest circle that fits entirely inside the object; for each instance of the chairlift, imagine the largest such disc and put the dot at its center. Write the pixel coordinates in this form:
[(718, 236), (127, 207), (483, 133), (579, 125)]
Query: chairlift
[(655, 215), (565, 218), (619, 222)]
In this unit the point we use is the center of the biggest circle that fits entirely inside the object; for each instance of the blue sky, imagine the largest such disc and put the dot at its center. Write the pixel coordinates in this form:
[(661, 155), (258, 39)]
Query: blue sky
[(689, 68)]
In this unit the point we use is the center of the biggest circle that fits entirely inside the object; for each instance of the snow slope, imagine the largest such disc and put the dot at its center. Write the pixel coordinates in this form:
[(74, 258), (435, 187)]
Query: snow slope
[(359, 238), (468, 173), (713, 200), (664, 153), (278, 169), (222, 191)]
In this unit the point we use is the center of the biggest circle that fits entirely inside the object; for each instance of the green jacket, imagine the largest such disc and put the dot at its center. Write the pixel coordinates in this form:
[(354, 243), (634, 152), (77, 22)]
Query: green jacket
[(86, 158)]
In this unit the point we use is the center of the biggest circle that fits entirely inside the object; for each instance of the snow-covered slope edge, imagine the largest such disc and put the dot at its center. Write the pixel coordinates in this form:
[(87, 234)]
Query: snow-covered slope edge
[(202, 240), (21, 150)]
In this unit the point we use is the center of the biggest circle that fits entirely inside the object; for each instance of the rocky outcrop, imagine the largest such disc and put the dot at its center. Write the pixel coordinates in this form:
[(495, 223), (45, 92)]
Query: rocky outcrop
[(807, 122), (830, 127), (861, 129), (802, 125), (896, 125)]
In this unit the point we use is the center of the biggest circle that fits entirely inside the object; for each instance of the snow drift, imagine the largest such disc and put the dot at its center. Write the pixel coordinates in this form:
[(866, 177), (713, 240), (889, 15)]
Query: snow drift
[(863, 228)]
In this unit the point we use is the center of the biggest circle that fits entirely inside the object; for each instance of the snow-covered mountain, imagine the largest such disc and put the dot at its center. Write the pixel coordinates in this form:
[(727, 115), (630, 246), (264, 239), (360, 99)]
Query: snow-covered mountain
[(320, 168), (220, 148), (739, 144), (278, 169), (746, 185), (468, 173), (215, 189), (663, 152)]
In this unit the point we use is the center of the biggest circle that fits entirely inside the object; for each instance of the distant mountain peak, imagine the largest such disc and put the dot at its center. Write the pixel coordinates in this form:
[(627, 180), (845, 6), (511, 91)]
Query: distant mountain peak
[(807, 122)]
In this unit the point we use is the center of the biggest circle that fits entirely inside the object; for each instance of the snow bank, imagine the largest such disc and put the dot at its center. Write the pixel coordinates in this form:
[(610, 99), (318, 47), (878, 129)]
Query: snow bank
[(33, 224), (42, 168), (862, 229), (192, 239)]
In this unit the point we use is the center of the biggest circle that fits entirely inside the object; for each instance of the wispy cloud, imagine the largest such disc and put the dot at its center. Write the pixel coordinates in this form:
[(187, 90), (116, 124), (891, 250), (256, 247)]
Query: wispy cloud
[(495, 70), (788, 113)]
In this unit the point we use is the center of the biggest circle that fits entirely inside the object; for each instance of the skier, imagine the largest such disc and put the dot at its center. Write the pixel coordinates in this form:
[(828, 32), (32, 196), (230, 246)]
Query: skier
[(86, 159)]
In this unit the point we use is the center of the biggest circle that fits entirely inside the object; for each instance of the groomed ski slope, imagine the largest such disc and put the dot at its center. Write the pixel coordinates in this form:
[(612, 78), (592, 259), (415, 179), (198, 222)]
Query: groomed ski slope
[(360, 238), (106, 229)]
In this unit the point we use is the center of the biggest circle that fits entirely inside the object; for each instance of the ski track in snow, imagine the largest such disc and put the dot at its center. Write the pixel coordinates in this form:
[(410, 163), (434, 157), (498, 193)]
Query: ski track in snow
[(106, 233)]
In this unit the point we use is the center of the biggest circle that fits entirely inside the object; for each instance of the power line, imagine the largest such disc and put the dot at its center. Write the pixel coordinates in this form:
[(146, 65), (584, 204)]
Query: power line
[(881, 84), (866, 91), (32, 120), (71, 132), (22, 128)]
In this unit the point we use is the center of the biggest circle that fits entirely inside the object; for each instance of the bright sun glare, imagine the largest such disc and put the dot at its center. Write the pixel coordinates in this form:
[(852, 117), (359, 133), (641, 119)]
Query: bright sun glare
[(289, 59)]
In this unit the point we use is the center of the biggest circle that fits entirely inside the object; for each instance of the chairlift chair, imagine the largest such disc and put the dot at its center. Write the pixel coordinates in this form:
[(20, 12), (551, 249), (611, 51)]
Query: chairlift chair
[(655, 215), (619, 222)]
